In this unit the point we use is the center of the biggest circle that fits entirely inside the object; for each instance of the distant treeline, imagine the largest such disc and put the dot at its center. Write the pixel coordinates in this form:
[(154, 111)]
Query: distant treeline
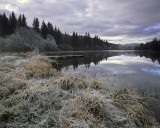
[(153, 45), (64, 41)]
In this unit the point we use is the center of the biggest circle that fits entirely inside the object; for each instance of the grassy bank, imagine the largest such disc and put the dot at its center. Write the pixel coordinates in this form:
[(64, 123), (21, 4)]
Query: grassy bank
[(33, 94)]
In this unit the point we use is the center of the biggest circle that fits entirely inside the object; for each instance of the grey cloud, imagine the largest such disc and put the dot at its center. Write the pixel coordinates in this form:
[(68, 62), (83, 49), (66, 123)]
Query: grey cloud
[(106, 18), (4, 11)]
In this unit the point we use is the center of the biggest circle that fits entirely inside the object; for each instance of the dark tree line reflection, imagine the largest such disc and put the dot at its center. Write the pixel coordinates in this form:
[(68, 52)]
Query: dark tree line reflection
[(154, 56), (97, 57)]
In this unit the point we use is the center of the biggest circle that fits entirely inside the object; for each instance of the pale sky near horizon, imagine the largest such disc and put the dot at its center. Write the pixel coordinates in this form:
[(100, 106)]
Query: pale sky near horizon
[(118, 21)]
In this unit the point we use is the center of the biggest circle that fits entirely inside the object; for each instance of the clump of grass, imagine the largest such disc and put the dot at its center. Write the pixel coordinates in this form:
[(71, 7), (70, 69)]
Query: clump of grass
[(35, 67), (40, 108), (136, 107), (5, 67), (9, 86), (6, 115), (95, 85), (93, 103), (86, 110), (72, 83)]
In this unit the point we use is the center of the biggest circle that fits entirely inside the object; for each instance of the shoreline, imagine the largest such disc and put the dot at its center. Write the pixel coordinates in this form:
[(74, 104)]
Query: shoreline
[(33, 94)]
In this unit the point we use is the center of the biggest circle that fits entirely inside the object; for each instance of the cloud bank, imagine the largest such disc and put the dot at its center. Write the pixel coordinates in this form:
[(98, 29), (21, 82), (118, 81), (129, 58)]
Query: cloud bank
[(118, 21)]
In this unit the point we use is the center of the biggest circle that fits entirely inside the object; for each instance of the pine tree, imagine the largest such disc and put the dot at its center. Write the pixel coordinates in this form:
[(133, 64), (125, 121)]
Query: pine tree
[(88, 41), (24, 22), (12, 22), (36, 24), (44, 30), (20, 21), (75, 41), (5, 25), (59, 36), (95, 40), (50, 29), (55, 34), (1, 25)]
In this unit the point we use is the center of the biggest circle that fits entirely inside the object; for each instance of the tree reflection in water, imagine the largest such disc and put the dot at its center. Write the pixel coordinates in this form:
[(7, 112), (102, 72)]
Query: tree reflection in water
[(96, 57)]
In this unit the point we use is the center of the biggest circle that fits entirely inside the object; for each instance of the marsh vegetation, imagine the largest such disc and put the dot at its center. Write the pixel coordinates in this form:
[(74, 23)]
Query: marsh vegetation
[(34, 94)]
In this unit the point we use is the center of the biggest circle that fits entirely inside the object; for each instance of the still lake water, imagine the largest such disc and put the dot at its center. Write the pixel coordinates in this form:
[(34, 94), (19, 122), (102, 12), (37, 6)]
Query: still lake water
[(117, 68)]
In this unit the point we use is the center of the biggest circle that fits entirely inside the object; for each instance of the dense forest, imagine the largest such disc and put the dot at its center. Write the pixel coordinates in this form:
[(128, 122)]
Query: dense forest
[(16, 35), (154, 45)]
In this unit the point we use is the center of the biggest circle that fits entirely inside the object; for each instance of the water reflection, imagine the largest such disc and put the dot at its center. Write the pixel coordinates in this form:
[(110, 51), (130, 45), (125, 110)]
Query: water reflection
[(154, 56), (99, 56), (134, 68)]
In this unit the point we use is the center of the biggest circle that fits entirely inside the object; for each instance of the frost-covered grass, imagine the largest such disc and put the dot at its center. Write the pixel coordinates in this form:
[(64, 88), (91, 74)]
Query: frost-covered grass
[(135, 106), (34, 67), (33, 94)]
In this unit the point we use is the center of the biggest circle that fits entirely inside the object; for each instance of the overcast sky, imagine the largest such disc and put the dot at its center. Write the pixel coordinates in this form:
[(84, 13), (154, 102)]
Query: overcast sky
[(118, 21)]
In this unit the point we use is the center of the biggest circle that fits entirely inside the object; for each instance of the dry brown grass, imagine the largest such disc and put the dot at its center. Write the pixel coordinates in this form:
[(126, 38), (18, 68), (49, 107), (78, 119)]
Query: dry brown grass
[(136, 107), (16, 54), (72, 83), (95, 85), (85, 110), (35, 67)]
